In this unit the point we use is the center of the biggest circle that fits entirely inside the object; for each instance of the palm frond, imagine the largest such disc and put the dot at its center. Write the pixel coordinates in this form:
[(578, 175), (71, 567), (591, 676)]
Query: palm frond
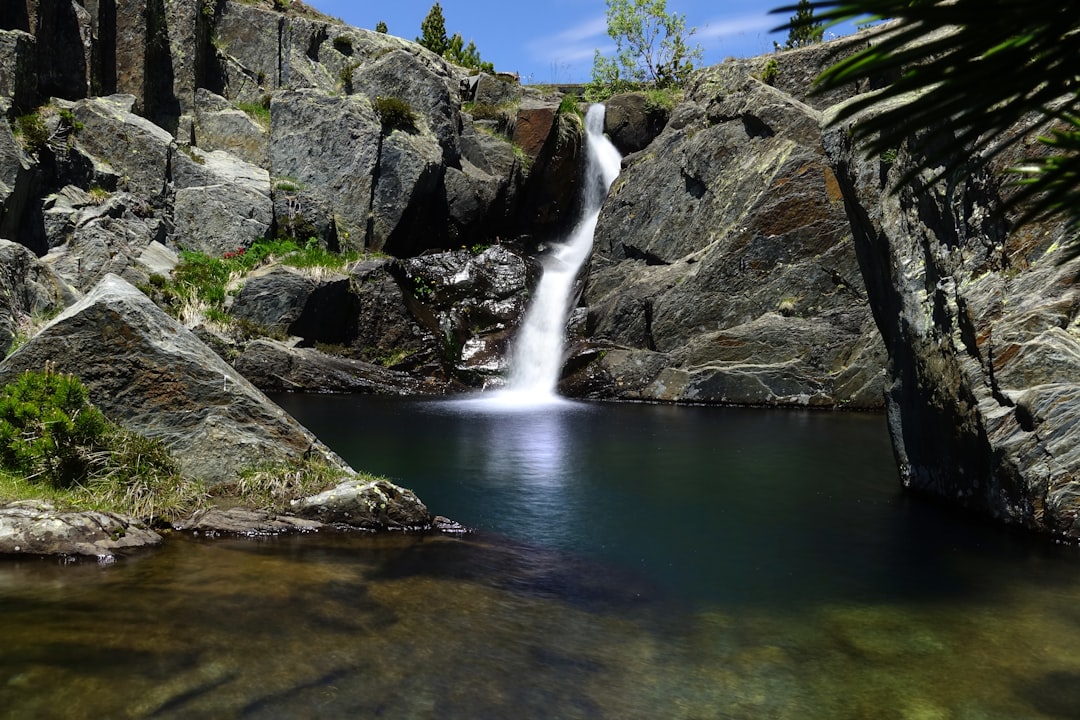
[(968, 70)]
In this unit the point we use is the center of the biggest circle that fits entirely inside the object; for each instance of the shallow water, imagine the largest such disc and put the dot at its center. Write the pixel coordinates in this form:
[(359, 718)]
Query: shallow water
[(632, 561)]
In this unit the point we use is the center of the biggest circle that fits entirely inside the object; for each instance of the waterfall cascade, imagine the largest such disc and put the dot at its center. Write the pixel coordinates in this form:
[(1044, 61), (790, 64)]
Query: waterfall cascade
[(537, 355)]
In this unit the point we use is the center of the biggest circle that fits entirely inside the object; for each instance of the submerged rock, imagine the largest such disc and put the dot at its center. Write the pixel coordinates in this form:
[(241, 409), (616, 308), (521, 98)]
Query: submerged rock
[(36, 527)]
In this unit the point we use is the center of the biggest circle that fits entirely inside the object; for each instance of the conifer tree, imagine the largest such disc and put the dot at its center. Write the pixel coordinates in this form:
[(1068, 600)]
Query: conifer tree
[(804, 29), (433, 31)]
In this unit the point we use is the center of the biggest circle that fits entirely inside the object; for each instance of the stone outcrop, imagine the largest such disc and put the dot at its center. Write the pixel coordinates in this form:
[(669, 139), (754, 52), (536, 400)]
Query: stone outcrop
[(981, 327), (374, 504), (723, 268), (150, 374), (34, 527)]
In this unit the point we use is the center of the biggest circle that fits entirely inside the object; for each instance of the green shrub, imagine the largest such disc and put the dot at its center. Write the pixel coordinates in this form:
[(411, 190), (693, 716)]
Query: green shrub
[(395, 114), (770, 71), (272, 487), (49, 431), (343, 45), (33, 132)]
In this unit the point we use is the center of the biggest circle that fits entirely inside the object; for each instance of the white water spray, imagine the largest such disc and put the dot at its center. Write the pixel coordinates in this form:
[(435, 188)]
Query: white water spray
[(538, 350)]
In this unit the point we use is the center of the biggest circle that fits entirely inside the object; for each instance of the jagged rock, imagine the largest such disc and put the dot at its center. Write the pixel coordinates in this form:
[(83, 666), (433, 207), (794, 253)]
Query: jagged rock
[(375, 504), (35, 527), (387, 331), (981, 327), (275, 367), (219, 125), (17, 182), (292, 301), (328, 146), (631, 123), (724, 246), (221, 204), (18, 70), (135, 151), (29, 291), (473, 303), (148, 373), (90, 238)]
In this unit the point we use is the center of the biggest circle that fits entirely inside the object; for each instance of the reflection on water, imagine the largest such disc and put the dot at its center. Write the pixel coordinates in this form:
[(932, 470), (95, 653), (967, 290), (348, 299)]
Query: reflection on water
[(637, 562)]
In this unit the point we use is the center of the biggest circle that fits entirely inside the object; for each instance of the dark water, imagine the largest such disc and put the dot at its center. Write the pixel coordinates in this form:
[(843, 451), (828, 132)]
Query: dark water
[(632, 561)]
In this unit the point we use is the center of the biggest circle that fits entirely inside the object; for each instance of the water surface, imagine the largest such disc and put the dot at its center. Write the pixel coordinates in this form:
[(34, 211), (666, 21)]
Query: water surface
[(631, 561)]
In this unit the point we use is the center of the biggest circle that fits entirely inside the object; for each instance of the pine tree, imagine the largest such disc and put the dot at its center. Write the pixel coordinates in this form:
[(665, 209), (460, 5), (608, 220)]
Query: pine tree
[(433, 31), (380, 27), (804, 28)]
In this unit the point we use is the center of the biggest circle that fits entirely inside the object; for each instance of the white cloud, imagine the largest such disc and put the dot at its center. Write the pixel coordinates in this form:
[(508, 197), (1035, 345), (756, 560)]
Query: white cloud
[(574, 44)]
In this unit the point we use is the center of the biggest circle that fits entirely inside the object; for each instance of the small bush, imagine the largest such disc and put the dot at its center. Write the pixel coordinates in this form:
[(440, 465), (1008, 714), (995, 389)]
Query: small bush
[(49, 431), (343, 45), (770, 71), (33, 132), (395, 114), (259, 112)]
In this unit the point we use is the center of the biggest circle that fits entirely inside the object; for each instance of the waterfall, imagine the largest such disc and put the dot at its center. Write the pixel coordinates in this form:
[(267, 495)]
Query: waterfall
[(537, 355)]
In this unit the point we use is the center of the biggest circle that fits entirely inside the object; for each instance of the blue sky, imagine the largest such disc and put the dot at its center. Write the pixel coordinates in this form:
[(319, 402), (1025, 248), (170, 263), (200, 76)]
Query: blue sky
[(552, 41)]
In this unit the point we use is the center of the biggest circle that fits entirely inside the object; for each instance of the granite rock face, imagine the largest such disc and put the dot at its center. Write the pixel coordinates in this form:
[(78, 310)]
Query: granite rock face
[(982, 328), (723, 268)]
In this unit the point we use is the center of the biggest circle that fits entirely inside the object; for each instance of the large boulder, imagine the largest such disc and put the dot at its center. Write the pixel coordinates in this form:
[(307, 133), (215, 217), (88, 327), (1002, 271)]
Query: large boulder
[(725, 248), (221, 203), (294, 302), (135, 152), (276, 367), (29, 292), (220, 125), (148, 373), (18, 71)]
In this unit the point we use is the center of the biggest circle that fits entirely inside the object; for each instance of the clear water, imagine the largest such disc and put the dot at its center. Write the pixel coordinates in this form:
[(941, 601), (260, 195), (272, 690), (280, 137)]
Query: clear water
[(633, 561)]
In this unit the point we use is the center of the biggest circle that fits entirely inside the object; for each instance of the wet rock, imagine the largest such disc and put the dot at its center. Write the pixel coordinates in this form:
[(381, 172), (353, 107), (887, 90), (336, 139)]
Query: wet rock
[(38, 528), (375, 504), (244, 521), (981, 328)]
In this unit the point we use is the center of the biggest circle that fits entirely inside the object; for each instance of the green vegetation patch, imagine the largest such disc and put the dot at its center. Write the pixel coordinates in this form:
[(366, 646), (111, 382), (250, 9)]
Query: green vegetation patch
[(273, 487), (395, 114), (56, 445)]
